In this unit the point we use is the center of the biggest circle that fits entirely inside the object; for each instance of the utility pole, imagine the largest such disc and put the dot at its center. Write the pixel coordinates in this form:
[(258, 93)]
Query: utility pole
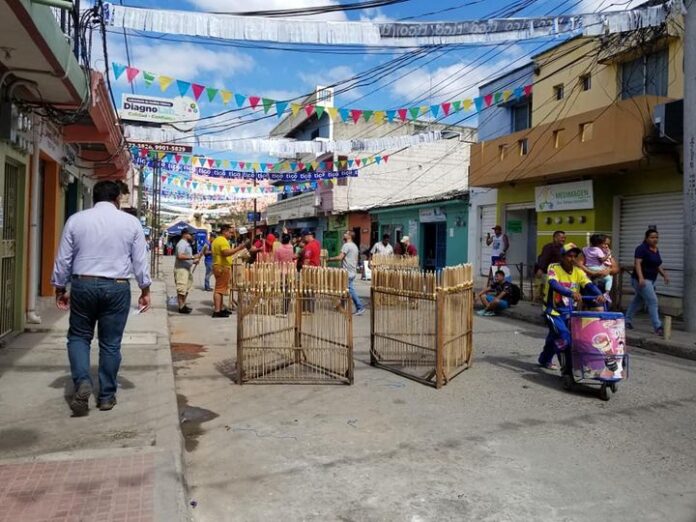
[(689, 298)]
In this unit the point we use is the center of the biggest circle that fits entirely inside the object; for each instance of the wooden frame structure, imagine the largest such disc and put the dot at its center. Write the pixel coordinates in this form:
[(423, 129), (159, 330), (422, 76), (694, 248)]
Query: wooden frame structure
[(294, 328), (422, 322)]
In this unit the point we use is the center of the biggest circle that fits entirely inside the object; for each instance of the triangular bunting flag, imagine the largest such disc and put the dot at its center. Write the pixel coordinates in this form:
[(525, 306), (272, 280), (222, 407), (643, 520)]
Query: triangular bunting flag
[(355, 115), (177, 158), (280, 108), (319, 109), (183, 87), (350, 163), (212, 93), (446, 106), (226, 96), (479, 102), (149, 78), (367, 115), (378, 159), (435, 109), (254, 101), (518, 92), (379, 117), (241, 164), (218, 164), (497, 97), (424, 110), (300, 165), (390, 116), (295, 108), (385, 158), (131, 73), (467, 104), (267, 104), (415, 112), (402, 114), (165, 82), (309, 110), (240, 99), (211, 163), (293, 166), (333, 112), (457, 106), (197, 90), (527, 90), (329, 165), (506, 94), (256, 167), (345, 114), (118, 70)]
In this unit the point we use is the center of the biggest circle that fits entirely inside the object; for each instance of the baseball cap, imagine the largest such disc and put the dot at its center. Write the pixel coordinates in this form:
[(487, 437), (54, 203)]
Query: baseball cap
[(570, 247), (188, 230), (306, 232), (405, 238), (497, 227), (242, 231)]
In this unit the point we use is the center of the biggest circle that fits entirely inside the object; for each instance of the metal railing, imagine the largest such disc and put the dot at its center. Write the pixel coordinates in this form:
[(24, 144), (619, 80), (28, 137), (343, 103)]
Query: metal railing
[(69, 21)]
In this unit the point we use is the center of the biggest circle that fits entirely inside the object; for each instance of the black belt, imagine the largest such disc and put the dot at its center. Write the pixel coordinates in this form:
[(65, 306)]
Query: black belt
[(99, 278)]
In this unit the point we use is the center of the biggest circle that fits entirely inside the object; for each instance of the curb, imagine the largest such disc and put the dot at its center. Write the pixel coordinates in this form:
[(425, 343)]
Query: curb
[(646, 342)]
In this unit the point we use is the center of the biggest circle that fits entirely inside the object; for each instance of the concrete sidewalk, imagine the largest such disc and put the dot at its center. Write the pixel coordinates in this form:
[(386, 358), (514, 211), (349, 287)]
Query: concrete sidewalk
[(681, 344), (124, 464)]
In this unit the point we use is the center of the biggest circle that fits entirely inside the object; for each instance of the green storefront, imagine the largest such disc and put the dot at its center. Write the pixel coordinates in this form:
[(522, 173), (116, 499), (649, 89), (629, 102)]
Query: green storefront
[(438, 229)]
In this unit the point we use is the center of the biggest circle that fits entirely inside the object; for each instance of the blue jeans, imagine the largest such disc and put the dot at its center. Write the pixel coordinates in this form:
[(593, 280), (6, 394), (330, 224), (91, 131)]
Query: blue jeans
[(644, 296), (502, 304), (353, 294), (106, 303), (208, 273), (558, 340)]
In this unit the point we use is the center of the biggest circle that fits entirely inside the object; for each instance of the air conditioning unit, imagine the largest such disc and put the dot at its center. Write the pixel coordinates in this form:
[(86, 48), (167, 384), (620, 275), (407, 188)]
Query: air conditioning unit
[(669, 121)]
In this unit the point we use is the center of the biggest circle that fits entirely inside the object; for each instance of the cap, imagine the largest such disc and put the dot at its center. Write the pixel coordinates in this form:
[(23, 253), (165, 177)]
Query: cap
[(497, 227), (570, 247), (188, 230), (242, 231), (306, 232), (405, 238)]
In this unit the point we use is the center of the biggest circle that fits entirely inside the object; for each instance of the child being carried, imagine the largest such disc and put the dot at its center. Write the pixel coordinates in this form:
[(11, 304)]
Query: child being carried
[(598, 258)]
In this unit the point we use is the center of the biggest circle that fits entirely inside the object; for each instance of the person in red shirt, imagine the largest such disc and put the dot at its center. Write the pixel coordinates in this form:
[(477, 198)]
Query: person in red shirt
[(312, 249), (408, 248)]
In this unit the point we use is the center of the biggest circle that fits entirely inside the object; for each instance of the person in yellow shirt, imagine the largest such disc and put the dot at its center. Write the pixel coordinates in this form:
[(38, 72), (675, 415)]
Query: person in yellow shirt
[(222, 267), (562, 289)]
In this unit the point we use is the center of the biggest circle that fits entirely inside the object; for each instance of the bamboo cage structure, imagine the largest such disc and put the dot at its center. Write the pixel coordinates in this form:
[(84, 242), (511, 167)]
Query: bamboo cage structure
[(294, 328), (422, 322), (392, 261)]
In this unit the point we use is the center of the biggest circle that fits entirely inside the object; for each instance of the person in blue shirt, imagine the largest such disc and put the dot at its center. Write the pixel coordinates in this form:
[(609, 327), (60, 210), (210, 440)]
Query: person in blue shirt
[(565, 281), (647, 266), (208, 256)]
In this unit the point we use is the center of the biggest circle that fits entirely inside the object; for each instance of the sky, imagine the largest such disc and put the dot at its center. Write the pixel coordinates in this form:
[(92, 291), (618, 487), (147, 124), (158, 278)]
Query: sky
[(440, 76)]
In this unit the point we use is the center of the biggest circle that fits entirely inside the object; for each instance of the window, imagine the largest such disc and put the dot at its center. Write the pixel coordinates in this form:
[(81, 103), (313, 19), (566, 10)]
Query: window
[(523, 147), (586, 82), (646, 75), (586, 131), (521, 117), (558, 137), (558, 91)]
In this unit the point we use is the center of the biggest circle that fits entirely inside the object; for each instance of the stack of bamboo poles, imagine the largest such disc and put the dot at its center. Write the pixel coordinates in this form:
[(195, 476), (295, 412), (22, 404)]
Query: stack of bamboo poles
[(422, 320), (294, 328), (392, 261)]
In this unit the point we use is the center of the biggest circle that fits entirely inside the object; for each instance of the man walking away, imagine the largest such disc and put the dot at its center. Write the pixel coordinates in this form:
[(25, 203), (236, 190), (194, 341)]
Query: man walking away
[(222, 267), (100, 249), (183, 266), (499, 244), (208, 256), (407, 248), (383, 247), (349, 259)]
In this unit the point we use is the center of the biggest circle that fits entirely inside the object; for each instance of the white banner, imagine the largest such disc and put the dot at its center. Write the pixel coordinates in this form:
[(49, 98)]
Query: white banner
[(298, 31), (564, 196), (279, 146)]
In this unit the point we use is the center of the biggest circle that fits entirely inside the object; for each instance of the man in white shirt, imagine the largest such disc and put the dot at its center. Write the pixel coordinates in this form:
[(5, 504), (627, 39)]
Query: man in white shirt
[(349, 260), (383, 247), (100, 249)]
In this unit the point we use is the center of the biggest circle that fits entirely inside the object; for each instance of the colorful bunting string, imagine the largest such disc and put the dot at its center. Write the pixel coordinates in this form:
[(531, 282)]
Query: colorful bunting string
[(345, 115)]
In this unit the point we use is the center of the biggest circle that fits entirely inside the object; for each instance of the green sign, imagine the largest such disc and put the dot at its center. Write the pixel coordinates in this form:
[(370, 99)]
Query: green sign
[(514, 226)]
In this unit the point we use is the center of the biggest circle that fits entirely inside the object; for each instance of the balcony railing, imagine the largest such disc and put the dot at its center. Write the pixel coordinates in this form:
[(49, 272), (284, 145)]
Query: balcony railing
[(68, 21)]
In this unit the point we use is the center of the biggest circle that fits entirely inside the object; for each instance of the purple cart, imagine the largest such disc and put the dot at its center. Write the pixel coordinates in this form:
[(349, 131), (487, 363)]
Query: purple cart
[(598, 351)]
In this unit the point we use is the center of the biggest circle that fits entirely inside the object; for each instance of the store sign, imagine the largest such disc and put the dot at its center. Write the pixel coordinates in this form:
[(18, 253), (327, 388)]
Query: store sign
[(564, 196), (432, 215), (162, 147), (182, 111)]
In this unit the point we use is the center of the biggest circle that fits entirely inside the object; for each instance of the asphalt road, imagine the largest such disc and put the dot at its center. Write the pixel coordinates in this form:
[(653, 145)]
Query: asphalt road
[(502, 442)]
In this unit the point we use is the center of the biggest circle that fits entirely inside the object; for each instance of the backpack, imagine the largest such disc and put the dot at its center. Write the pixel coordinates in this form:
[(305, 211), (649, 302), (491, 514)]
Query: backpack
[(515, 294)]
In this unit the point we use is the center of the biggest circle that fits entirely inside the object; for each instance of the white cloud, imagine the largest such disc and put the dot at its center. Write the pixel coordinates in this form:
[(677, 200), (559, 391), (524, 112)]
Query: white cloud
[(454, 81), (590, 6), (232, 6), (180, 60)]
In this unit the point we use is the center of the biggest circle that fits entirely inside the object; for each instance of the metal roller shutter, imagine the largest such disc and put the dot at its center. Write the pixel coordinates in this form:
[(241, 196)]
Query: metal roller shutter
[(487, 222), (666, 212)]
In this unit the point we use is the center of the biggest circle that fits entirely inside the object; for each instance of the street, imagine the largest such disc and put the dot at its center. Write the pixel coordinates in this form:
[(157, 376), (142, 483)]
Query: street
[(502, 441)]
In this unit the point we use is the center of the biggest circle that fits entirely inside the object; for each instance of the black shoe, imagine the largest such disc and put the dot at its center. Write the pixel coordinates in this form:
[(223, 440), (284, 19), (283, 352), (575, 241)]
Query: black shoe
[(221, 314), (80, 401), (185, 310), (107, 405)]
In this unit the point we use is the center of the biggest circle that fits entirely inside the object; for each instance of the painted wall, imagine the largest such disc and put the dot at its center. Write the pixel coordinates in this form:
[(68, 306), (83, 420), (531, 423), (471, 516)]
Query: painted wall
[(478, 198), (52, 225), (497, 120), (364, 221)]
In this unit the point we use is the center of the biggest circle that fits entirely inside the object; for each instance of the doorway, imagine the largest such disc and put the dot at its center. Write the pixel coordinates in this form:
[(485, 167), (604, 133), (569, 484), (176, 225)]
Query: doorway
[(521, 229), (434, 255)]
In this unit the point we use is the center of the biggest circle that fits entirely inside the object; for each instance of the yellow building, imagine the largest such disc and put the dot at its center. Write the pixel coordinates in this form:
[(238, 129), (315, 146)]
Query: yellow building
[(603, 152)]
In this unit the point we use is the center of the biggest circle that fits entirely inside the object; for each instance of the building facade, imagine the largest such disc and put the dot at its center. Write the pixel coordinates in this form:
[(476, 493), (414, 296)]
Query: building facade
[(598, 157)]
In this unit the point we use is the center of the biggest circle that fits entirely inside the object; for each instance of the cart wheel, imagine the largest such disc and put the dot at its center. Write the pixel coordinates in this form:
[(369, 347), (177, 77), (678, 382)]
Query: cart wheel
[(614, 387), (604, 392), (568, 382)]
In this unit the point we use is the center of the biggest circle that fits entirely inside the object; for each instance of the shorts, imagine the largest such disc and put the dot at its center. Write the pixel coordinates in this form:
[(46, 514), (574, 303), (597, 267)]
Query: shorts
[(222, 275), (183, 278), (502, 304)]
